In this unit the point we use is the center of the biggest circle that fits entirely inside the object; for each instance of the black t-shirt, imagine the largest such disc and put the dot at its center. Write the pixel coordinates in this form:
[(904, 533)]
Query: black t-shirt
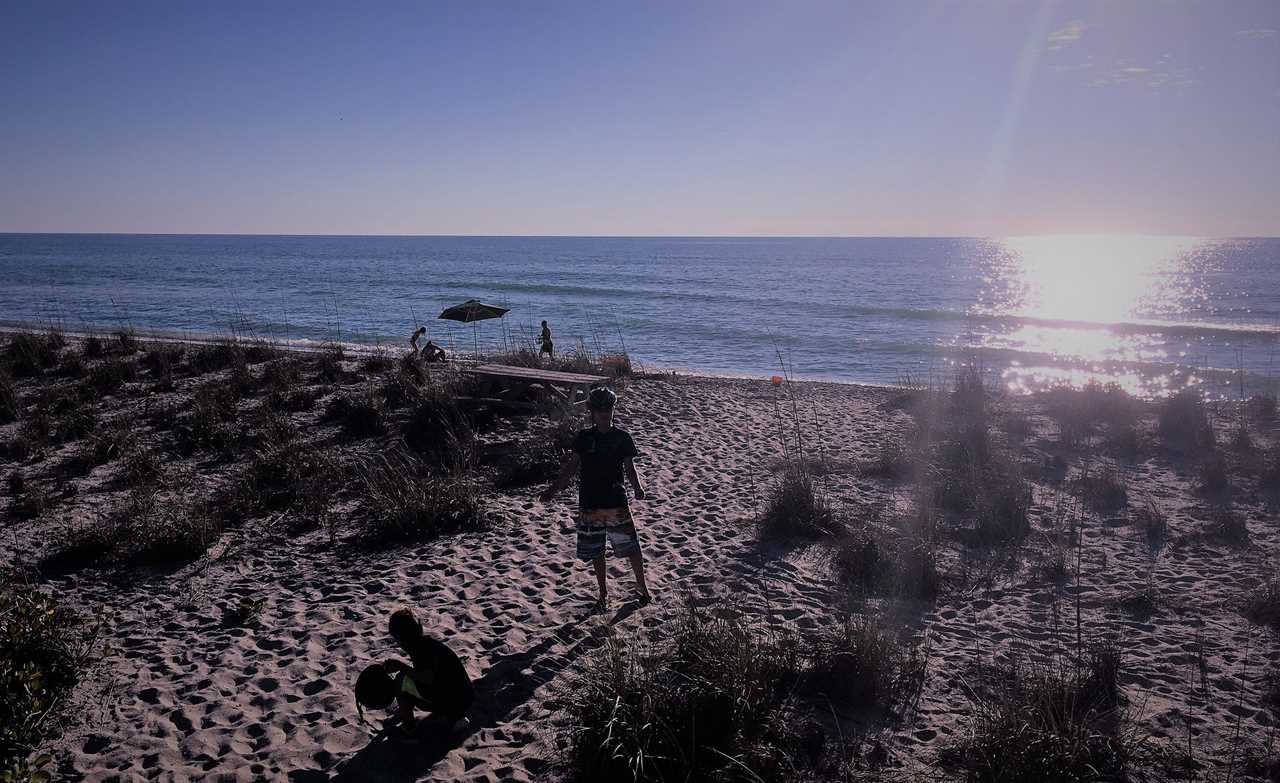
[(602, 455), (447, 687)]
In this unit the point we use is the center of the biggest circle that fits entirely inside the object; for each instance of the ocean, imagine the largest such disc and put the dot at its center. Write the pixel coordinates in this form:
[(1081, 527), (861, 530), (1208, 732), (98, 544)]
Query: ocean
[(1149, 313)]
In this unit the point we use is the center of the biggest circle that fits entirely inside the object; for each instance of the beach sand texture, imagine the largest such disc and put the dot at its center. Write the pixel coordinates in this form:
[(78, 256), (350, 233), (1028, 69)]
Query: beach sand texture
[(184, 695)]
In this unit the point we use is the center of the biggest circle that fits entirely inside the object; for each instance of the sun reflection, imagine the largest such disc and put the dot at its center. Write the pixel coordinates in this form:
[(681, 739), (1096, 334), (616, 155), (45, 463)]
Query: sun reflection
[(1084, 308), (1096, 279)]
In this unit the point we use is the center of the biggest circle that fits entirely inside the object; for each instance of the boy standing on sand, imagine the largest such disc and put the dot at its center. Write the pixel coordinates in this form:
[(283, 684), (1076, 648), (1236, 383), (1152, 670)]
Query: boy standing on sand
[(547, 346), (601, 455)]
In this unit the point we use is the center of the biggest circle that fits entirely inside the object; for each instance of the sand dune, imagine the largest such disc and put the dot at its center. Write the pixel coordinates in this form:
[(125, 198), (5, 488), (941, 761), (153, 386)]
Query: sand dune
[(187, 696)]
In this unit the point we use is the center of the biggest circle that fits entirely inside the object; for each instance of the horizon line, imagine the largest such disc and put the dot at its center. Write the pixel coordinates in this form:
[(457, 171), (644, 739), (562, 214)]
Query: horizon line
[(627, 236)]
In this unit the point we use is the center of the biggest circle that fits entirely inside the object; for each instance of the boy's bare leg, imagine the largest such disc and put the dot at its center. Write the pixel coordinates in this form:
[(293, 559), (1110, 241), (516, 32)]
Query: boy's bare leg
[(637, 567), (600, 577)]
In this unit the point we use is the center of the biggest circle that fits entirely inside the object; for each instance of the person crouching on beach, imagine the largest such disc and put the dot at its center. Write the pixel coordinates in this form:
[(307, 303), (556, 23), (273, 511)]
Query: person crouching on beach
[(602, 455), (435, 682)]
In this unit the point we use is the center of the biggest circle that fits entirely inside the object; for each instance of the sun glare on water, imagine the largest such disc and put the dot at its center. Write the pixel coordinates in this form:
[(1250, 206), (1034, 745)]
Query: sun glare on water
[(1098, 279), (1080, 297)]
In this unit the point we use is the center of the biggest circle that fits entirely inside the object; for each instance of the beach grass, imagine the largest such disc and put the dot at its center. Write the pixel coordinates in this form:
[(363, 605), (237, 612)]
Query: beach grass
[(725, 698)]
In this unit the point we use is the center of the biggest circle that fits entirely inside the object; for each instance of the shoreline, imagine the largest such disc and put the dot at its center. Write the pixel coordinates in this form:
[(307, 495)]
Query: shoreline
[(307, 346)]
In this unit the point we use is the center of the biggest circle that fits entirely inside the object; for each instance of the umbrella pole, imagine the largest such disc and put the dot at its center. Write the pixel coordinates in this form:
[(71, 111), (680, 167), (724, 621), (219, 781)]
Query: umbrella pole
[(475, 340)]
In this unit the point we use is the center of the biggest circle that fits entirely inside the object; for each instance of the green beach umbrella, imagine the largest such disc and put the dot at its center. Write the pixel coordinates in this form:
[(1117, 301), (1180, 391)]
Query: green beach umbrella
[(471, 311)]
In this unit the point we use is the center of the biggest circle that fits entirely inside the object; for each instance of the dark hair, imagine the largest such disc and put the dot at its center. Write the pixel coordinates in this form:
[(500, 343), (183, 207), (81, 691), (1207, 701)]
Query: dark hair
[(601, 398), (374, 687), (404, 624)]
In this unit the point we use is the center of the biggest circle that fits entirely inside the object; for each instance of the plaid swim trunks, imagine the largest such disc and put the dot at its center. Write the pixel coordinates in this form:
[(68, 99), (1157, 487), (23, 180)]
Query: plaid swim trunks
[(612, 523)]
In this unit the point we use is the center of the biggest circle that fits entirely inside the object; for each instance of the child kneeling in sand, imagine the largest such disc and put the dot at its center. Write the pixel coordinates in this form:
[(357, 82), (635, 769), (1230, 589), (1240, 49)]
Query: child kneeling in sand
[(602, 454), (436, 682)]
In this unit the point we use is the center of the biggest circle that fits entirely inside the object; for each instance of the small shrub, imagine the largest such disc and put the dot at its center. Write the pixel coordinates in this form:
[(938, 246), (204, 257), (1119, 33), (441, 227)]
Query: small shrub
[(725, 700), (271, 427), (1213, 477), (1183, 422), (1269, 479), (1104, 491), (618, 365), (72, 365), (111, 443), (140, 465), (532, 462), (45, 650), (215, 356), (1230, 526), (521, 357), (125, 341), (1017, 426), (246, 613), (577, 360), (377, 362), (161, 359), (290, 475), (1261, 408), (1142, 602), (1263, 606), (1151, 522), (93, 347), (1124, 441), (892, 462), (328, 363), (1000, 497), (969, 399), (861, 665), (438, 431), (156, 525), (1055, 722), (30, 354), (213, 408), (8, 398), (403, 504), (1242, 441), (876, 563), (258, 351), (281, 379), (111, 374), (76, 424), (1070, 410), (400, 388), (360, 413), (1271, 690), (795, 508), (33, 502), (34, 434), (215, 402)]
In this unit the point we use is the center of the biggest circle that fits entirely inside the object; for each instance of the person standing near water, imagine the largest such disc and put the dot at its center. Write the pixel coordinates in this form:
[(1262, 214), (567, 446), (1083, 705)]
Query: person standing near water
[(414, 340), (601, 456), (547, 347)]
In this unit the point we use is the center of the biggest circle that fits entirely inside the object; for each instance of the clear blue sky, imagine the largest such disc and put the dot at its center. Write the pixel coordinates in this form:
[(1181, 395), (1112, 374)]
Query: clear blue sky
[(982, 117)]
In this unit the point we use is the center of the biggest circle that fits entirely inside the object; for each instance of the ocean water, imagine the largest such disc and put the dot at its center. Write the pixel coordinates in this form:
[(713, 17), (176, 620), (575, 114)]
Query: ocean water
[(1150, 313)]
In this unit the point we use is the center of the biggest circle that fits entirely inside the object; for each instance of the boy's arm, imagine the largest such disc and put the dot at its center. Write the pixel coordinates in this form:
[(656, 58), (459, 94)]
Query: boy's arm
[(567, 470), (634, 478)]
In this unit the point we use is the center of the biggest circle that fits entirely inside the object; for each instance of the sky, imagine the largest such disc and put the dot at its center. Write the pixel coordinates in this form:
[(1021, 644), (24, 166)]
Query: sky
[(896, 118)]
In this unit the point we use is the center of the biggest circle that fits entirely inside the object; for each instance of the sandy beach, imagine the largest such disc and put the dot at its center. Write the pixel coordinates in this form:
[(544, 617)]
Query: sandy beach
[(239, 663)]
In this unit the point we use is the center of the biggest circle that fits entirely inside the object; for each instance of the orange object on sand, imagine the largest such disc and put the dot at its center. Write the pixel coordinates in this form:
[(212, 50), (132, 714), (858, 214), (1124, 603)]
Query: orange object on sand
[(777, 380)]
